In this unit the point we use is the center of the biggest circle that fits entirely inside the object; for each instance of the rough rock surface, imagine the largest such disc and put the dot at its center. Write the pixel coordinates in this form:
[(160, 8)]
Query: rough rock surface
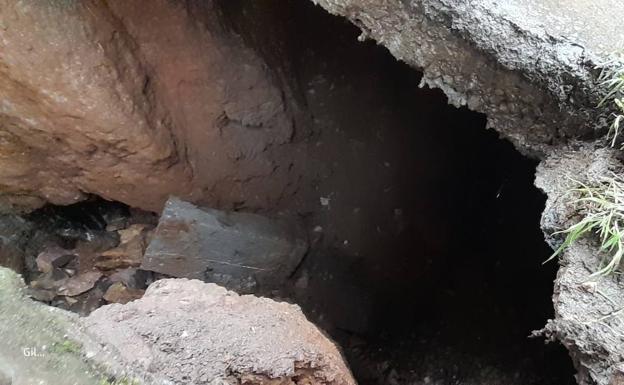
[(237, 250), (190, 332), (133, 103), (136, 103), (513, 60), (588, 318), (40, 344), (181, 332)]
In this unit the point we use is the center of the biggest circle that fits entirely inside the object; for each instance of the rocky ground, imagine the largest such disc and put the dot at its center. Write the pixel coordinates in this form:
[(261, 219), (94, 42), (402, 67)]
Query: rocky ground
[(167, 337), (82, 257)]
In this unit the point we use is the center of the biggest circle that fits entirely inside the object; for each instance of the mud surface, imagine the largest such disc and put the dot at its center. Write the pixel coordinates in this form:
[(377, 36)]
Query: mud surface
[(588, 309)]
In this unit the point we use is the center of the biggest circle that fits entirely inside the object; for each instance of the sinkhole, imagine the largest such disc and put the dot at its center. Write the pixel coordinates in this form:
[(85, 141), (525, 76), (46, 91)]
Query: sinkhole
[(425, 259), (427, 252)]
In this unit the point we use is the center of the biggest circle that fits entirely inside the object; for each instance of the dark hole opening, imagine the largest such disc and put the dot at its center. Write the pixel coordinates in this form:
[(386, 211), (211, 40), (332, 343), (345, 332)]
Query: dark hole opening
[(427, 262)]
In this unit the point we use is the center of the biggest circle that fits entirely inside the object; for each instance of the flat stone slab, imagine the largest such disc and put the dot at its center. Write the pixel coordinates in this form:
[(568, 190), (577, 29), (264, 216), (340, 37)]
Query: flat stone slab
[(237, 250)]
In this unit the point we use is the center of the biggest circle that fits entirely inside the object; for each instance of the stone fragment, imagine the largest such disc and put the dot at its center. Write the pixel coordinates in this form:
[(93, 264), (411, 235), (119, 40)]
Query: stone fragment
[(80, 283), (53, 257), (229, 248), (191, 332), (130, 251), (11, 257), (52, 280), (132, 278), (42, 294), (119, 293), (87, 302)]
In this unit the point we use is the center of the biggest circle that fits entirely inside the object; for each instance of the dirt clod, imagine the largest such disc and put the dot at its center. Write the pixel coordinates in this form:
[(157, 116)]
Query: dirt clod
[(188, 331)]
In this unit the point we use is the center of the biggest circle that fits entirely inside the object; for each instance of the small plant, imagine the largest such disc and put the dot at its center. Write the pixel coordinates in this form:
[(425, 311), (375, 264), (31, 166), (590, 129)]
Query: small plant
[(612, 79), (602, 208), (66, 346)]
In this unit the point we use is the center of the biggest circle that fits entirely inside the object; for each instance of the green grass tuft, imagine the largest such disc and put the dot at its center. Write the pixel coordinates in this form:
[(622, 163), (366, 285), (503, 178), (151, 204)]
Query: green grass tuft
[(612, 80), (601, 206), (67, 346)]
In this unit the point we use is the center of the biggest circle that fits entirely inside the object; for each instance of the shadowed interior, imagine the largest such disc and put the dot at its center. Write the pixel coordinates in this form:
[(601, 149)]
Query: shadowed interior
[(427, 258)]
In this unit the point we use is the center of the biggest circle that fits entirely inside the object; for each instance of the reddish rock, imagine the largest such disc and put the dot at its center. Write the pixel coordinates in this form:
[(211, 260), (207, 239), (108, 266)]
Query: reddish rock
[(134, 103), (187, 331), (130, 251), (79, 284)]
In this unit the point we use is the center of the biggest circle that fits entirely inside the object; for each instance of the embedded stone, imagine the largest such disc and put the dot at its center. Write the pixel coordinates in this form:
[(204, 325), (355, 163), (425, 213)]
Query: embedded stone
[(235, 249)]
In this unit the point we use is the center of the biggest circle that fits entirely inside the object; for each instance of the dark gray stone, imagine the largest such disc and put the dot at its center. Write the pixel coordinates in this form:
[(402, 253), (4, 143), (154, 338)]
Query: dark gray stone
[(238, 250), (132, 278), (14, 234)]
